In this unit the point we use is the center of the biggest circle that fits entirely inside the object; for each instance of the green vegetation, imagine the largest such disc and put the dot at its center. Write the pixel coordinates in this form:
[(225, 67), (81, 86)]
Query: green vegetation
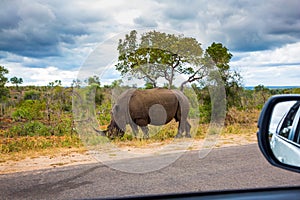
[(15, 80), (3, 80), (42, 117), (36, 118), (160, 55)]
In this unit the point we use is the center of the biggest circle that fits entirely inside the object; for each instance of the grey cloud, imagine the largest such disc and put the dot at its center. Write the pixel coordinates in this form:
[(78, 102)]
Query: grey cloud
[(240, 25), (145, 22), (32, 36), (284, 18), (181, 10), (263, 26), (8, 17), (33, 29), (69, 30)]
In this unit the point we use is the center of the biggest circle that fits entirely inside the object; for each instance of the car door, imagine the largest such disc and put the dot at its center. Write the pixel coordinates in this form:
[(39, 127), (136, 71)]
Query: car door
[(285, 143)]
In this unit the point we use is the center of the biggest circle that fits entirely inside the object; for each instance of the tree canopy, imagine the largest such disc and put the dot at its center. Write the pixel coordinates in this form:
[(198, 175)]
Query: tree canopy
[(231, 79), (15, 80), (3, 80), (157, 55)]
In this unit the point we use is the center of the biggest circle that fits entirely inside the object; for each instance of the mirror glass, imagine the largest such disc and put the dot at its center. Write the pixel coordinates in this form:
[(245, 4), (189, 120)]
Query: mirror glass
[(284, 131)]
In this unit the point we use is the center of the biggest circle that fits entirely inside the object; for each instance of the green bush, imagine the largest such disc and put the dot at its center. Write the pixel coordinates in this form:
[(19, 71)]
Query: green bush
[(32, 95), (103, 113), (204, 113), (32, 128), (63, 127), (29, 110), (21, 113), (16, 130)]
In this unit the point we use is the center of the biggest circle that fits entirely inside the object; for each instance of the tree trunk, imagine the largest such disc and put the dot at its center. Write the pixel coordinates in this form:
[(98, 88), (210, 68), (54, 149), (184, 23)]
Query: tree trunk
[(182, 85)]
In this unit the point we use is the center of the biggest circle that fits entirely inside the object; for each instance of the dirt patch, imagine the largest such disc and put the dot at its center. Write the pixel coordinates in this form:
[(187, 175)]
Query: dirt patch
[(68, 157), (42, 160)]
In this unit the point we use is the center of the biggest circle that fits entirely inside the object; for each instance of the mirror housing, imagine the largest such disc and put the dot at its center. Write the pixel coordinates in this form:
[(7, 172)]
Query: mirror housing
[(263, 134)]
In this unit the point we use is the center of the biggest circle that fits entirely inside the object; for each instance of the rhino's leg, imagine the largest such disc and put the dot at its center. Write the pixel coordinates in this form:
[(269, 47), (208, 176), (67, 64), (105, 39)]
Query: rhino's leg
[(145, 130), (143, 123), (187, 130), (134, 128), (180, 130), (183, 126)]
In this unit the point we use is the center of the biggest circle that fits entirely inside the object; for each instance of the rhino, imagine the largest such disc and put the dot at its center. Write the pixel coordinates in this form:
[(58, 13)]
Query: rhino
[(157, 106)]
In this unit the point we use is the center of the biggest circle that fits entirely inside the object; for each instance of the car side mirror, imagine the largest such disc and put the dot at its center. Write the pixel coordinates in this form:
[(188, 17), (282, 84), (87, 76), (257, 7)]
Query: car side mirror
[(279, 131)]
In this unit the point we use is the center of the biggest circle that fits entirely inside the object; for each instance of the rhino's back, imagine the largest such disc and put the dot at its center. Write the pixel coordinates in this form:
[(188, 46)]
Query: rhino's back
[(157, 106)]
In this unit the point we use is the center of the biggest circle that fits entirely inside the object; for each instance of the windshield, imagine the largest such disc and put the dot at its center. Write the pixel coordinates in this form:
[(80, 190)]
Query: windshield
[(130, 98)]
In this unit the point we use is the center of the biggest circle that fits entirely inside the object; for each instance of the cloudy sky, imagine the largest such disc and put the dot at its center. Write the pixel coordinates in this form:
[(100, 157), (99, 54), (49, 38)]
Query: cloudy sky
[(42, 41)]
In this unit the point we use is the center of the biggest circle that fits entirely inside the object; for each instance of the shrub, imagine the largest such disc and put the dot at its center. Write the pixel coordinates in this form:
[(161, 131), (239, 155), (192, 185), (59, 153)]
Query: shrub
[(103, 114), (63, 127), (32, 128), (29, 110), (32, 95)]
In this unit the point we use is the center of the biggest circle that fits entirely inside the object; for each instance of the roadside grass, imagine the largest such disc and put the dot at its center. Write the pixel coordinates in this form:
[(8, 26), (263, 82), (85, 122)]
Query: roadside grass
[(25, 143), (240, 128), (19, 148), (51, 152), (228, 135)]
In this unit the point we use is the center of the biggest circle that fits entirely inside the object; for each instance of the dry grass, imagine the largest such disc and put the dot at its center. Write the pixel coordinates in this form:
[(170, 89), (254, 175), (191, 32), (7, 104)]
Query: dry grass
[(235, 116), (241, 128), (51, 152)]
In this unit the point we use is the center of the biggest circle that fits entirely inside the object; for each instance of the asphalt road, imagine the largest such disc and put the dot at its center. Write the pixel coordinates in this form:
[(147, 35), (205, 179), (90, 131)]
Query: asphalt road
[(223, 169)]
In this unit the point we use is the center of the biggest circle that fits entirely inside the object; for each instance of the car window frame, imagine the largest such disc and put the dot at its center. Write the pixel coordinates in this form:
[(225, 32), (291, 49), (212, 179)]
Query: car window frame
[(291, 115), (263, 130)]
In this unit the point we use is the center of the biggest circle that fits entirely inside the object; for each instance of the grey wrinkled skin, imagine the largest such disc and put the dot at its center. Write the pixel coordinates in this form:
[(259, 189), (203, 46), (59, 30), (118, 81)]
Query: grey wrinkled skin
[(157, 106)]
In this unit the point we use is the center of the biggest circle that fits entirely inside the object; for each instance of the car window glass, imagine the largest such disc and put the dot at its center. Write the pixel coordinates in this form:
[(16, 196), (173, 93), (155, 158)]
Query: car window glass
[(282, 118), (297, 134), (286, 127)]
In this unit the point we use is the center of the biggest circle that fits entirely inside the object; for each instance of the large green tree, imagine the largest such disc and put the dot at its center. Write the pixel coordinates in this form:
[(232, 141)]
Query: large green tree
[(3, 80), (220, 55), (232, 80), (155, 55)]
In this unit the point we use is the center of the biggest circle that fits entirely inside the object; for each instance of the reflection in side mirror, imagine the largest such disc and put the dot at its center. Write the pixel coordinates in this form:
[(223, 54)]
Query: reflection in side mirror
[(284, 132), (279, 131)]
